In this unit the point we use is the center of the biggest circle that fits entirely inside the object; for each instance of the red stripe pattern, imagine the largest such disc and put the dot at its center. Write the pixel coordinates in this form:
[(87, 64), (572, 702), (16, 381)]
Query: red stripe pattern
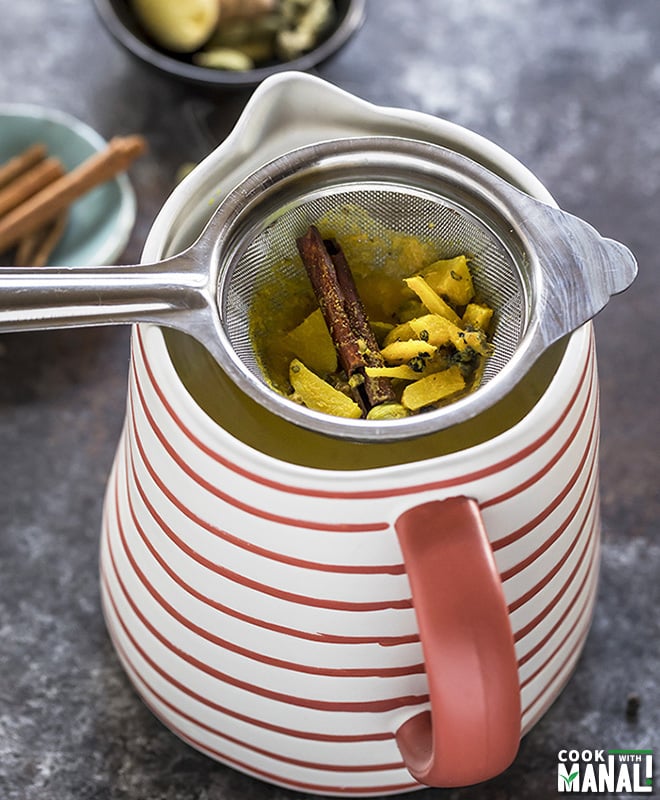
[(264, 613)]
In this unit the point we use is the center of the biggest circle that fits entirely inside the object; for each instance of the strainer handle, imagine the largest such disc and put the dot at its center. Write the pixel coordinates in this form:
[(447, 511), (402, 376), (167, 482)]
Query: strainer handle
[(38, 298), (472, 731)]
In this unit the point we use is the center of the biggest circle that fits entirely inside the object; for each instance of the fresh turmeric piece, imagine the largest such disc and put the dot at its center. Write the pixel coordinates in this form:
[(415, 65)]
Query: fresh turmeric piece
[(477, 316), (433, 388), (399, 333), (431, 299), (403, 372), (318, 395), (312, 344), (434, 329), (398, 352), (451, 279)]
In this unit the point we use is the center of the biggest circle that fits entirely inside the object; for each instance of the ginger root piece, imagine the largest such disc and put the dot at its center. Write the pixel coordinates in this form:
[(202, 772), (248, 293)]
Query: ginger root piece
[(182, 26)]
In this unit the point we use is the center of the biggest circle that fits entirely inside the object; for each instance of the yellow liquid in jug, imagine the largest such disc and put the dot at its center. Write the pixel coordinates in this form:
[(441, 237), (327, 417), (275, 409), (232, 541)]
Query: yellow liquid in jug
[(262, 430)]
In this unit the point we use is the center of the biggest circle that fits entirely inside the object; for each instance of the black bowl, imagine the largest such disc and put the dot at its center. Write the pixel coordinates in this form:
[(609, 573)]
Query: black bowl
[(124, 27)]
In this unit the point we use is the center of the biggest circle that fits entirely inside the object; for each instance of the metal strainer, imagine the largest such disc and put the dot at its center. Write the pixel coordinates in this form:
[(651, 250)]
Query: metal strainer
[(545, 272)]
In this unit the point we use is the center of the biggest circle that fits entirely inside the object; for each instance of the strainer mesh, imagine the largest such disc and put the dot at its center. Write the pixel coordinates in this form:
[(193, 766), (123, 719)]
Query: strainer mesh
[(382, 209)]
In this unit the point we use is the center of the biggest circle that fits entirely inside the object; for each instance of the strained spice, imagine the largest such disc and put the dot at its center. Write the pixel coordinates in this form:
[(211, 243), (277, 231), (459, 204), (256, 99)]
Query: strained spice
[(423, 344)]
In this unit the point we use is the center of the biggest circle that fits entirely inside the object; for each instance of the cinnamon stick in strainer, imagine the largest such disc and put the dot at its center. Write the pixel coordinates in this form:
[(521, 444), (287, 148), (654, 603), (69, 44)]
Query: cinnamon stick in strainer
[(378, 390), (46, 205), (344, 315)]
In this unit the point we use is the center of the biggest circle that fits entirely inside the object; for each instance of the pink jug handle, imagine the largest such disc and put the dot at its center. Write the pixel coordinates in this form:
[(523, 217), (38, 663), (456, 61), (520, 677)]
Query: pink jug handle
[(472, 731)]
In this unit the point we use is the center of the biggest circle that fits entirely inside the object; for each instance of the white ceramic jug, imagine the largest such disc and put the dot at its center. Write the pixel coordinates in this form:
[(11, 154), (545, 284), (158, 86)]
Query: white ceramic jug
[(333, 617)]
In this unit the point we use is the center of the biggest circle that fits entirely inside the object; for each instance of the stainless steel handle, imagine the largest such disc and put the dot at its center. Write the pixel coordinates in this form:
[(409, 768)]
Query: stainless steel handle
[(39, 298)]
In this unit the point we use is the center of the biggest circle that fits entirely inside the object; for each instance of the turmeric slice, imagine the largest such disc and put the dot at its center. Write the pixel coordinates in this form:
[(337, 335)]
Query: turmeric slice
[(451, 279), (402, 372), (439, 331), (477, 316), (432, 388), (399, 333), (398, 352), (434, 329), (312, 344), (317, 394), (431, 299)]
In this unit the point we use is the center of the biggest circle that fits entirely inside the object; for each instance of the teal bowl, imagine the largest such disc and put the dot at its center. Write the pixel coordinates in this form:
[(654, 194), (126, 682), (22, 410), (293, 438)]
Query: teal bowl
[(100, 222)]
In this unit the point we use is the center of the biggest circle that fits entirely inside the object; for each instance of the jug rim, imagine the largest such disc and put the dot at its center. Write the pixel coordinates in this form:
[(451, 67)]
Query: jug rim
[(204, 181)]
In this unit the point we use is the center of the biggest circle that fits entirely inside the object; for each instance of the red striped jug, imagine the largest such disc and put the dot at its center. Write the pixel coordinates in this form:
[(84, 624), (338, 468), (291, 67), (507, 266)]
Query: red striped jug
[(341, 618)]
